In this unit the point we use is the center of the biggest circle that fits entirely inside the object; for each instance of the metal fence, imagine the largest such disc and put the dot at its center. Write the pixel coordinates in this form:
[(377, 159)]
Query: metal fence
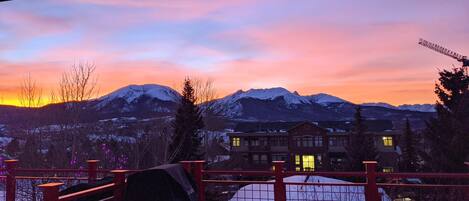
[(281, 185), (276, 184)]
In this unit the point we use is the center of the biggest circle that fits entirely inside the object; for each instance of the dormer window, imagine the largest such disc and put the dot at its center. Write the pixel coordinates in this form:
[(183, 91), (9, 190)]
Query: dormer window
[(235, 141), (387, 141)]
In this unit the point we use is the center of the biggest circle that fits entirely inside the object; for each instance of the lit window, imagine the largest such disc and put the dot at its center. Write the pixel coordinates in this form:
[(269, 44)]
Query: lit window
[(388, 169), (308, 162), (387, 141), (297, 169), (297, 160), (236, 141)]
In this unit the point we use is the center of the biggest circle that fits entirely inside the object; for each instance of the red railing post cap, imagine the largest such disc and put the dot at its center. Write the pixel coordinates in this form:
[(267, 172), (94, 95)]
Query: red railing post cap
[(278, 162), (92, 161), (370, 162), (49, 185), (11, 161), (466, 163), (119, 171)]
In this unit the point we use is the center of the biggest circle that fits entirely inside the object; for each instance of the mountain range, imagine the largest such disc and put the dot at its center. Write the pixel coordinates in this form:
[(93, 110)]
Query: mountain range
[(272, 104)]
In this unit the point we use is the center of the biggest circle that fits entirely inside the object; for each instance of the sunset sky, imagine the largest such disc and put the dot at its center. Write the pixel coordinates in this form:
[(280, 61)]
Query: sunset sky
[(362, 51)]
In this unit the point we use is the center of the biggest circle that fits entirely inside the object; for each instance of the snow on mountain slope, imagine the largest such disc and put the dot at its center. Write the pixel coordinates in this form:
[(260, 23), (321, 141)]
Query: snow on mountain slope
[(324, 99), (381, 104), (132, 92), (409, 107), (418, 107), (231, 105), (266, 94)]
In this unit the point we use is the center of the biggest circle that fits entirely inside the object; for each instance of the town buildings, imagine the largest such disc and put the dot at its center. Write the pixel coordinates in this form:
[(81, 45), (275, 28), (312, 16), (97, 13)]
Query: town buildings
[(307, 146)]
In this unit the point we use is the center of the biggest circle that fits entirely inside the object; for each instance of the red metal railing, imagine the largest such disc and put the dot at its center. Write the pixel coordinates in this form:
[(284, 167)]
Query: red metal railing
[(275, 185), (280, 185), (44, 184)]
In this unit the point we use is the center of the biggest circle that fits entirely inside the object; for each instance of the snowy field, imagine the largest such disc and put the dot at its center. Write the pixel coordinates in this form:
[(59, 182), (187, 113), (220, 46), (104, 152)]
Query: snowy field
[(255, 192)]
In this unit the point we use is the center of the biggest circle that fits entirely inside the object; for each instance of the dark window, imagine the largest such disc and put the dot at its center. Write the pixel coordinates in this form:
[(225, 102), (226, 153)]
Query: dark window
[(278, 141), (336, 141), (318, 141), (259, 159), (307, 141), (279, 157), (254, 142)]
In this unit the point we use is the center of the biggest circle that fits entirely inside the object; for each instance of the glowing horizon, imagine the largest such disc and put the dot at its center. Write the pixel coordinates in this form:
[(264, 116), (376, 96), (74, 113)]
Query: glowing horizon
[(363, 51)]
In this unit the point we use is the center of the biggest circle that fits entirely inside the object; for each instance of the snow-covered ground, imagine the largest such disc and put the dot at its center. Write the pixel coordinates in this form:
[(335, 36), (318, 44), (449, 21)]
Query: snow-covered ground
[(254, 192)]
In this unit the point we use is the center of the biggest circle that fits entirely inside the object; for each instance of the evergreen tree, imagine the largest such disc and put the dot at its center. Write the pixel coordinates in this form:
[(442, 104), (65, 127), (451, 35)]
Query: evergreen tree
[(447, 136), (409, 158), (186, 141), (360, 146)]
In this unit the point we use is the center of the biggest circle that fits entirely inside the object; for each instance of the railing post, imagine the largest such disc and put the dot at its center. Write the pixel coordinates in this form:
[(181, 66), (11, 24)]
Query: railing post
[(50, 191), (371, 189), (198, 174), (119, 181), (11, 179), (280, 193), (467, 189), (92, 170), (187, 165)]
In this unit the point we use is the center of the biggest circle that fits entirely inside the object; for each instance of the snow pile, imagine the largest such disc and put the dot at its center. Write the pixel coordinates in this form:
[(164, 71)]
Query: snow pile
[(325, 99), (254, 192), (132, 92)]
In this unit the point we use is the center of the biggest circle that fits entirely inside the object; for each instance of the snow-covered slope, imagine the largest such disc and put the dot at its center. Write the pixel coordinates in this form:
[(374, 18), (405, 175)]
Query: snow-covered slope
[(267, 94), (140, 100), (255, 192), (234, 104), (381, 104), (418, 107), (132, 92), (324, 99), (412, 107)]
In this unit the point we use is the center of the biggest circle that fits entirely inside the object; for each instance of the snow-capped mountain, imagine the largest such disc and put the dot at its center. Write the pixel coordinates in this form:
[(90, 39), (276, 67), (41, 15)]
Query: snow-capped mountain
[(418, 107), (132, 92), (409, 107), (149, 99), (325, 99), (266, 94), (380, 104), (269, 104)]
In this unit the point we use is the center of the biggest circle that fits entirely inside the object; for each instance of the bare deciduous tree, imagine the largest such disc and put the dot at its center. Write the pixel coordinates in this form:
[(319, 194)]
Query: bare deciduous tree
[(30, 94), (79, 84), (75, 87)]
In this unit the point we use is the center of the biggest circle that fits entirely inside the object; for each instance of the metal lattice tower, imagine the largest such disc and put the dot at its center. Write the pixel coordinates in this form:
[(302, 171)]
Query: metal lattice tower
[(445, 51)]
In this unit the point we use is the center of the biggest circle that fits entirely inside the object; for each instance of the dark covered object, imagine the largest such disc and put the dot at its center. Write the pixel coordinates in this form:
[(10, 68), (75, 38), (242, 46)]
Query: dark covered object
[(85, 186), (163, 183)]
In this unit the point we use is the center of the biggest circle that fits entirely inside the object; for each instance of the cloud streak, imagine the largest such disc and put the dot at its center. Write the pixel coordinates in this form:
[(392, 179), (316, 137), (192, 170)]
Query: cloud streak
[(362, 52)]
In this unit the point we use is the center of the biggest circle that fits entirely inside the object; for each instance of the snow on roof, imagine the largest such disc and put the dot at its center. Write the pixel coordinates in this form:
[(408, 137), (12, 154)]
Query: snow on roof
[(254, 192)]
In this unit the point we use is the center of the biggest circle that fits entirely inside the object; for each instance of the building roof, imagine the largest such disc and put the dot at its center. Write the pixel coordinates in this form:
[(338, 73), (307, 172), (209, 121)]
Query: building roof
[(331, 126)]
